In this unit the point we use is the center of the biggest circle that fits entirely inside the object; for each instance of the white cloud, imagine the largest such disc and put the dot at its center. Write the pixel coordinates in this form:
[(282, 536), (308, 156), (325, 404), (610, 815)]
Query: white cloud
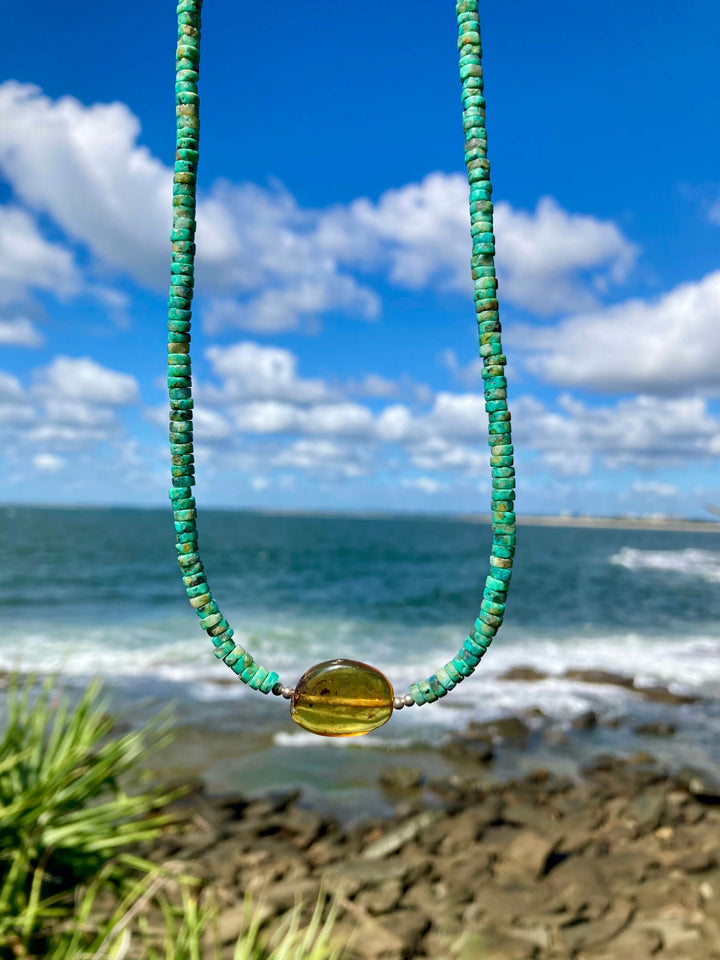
[(324, 457), (269, 264), (664, 346), (251, 371), (549, 260), (654, 488), (20, 332), (544, 257), (642, 432), (373, 385), (48, 462), (84, 380), (29, 262), (424, 484)]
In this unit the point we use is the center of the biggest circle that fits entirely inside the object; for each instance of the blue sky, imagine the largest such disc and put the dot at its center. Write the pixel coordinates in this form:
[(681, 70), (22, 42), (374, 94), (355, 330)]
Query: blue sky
[(334, 345)]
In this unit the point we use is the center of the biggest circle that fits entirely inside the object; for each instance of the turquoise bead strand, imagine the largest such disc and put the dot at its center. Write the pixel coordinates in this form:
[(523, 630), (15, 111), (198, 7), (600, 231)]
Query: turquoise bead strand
[(492, 608), (182, 270)]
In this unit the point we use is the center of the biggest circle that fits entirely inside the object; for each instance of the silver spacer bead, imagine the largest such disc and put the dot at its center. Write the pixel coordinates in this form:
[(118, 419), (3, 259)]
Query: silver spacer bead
[(408, 700), (398, 703), (287, 692)]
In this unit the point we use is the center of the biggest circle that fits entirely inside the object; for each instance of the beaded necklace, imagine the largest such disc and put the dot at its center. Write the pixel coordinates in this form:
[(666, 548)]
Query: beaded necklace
[(339, 697)]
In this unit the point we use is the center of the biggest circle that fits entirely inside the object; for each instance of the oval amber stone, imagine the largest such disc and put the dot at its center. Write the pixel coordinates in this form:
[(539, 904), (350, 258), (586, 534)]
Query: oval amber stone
[(342, 698)]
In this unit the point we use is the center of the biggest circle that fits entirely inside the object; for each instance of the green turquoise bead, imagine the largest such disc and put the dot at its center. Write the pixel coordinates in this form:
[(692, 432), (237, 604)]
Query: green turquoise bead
[(249, 672), (224, 649), (496, 584), (183, 526), (257, 680), (501, 551), (428, 694), (210, 621), (472, 647), (207, 610), (443, 676), (197, 589), (463, 667), (242, 664), (436, 686), (269, 682), (453, 672), (234, 656), (221, 638), (196, 579), (416, 694), (496, 609)]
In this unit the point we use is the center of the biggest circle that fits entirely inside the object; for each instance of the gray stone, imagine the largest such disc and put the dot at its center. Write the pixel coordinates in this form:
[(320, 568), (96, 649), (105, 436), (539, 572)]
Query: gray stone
[(401, 779), (596, 932), (397, 837), (527, 857), (585, 721), (524, 674), (647, 809)]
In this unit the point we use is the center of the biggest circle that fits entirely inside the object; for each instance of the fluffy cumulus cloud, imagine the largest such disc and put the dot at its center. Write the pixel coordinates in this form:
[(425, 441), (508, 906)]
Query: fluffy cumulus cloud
[(265, 263), (670, 345), (20, 332), (308, 426), (30, 263), (71, 404)]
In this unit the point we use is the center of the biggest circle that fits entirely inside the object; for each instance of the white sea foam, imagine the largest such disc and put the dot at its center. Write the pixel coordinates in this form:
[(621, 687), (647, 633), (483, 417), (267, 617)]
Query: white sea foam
[(691, 562), (175, 657)]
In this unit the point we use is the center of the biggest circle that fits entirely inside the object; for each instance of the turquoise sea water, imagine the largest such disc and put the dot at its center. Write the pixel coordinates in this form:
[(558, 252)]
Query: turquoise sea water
[(98, 592)]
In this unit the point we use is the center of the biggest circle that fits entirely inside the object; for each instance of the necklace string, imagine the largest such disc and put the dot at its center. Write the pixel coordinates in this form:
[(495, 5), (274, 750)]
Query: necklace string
[(492, 607)]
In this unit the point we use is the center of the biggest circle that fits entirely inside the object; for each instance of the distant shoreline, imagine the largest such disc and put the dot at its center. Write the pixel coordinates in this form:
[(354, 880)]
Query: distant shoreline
[(676, 524), (615, 523)]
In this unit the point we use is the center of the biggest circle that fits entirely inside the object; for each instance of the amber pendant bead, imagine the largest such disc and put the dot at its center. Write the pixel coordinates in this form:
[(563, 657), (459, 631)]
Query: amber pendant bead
[(342, 698)]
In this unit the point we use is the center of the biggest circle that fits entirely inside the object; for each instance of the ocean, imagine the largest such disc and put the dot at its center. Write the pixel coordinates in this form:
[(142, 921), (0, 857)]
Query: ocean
[(97, 592)]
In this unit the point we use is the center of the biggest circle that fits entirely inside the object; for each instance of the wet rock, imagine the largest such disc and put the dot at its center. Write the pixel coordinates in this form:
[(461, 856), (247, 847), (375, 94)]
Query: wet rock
[(632, 943), (600, 677), (529, 815), (647, 809), (703, 787), (597, 932), (401, 779), (475, 749), (526, 858), (663, 695), (355, 875), (397, 837), (276, 801), (585, 721), (656, 729), (695, 861), (524, 674), (505, 728), (577, 885), (382, 899), (556, 737), (496, 944)]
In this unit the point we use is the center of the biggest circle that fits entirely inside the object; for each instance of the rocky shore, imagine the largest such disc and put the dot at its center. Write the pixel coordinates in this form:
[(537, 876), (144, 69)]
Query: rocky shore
[(621, 864)]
